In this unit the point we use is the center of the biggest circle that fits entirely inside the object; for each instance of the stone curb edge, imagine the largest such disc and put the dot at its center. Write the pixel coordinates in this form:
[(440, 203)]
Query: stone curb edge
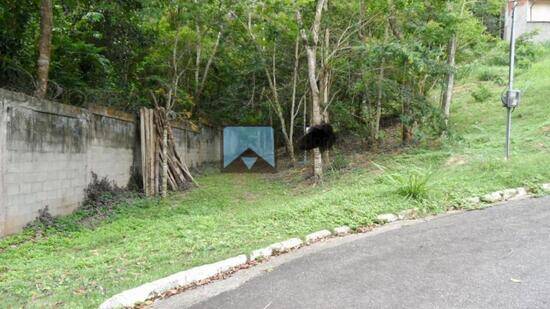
[(195, 276)]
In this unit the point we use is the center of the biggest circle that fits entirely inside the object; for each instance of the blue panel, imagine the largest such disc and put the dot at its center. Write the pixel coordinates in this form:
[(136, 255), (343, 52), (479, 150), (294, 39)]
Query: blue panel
[(249, 162), (236, 140)]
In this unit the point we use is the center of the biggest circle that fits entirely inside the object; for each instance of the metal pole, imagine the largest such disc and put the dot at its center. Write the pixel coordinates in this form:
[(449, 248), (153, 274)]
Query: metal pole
[(511, 81)]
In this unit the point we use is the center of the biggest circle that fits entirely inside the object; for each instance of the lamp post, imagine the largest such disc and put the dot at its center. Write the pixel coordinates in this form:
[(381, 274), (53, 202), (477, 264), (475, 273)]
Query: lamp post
[(511, 100)]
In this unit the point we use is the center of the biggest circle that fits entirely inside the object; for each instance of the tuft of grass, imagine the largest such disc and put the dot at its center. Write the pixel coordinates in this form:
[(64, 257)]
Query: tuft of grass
[(339, 162), (414, 185), (491, 76)]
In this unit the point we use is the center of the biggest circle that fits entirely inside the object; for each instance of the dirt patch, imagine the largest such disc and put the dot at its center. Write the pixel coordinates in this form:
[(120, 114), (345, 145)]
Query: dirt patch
[(456, 161)]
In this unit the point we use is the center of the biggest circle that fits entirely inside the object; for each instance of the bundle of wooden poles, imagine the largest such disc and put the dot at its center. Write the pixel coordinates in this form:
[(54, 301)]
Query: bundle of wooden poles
[(153, 123)]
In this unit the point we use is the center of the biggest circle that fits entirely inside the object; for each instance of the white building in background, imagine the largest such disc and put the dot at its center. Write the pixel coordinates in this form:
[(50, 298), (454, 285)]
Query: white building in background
[(531, 15)]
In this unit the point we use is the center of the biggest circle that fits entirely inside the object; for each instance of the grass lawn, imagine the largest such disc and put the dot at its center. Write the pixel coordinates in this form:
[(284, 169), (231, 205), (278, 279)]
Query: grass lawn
[(233, 214)]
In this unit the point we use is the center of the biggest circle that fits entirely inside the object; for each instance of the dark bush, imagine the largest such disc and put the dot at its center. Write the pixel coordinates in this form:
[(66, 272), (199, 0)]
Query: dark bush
[(100, 193), (44, 221), (103, 196)]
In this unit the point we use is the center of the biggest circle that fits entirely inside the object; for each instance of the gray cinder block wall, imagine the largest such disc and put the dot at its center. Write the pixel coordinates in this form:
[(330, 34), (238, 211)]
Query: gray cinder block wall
[(49, 150)]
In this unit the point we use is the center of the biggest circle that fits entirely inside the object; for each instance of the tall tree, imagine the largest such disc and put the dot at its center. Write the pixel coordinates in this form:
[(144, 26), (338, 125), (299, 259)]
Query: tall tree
[(45, 47), (448, 95), (311, 51), (379, 95), (270, 68)]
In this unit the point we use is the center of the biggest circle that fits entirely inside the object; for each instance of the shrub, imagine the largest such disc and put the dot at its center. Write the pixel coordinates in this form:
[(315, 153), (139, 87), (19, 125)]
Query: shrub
[(100, 193), (103, 196), (481, 94), (527, 52), (339, 162), (487, 76), (44, 221), (413, 185)]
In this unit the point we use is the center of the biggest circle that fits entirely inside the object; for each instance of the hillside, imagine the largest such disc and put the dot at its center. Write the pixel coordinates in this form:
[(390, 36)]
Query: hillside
[(229, 214)]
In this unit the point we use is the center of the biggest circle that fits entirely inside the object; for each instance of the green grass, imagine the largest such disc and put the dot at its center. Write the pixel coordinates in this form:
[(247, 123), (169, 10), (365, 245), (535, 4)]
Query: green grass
[(233, 214)]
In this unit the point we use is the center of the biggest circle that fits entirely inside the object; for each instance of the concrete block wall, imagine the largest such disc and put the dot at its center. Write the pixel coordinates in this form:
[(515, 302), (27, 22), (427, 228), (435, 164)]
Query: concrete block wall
[(112, 146), (48, 152), (198, 145)]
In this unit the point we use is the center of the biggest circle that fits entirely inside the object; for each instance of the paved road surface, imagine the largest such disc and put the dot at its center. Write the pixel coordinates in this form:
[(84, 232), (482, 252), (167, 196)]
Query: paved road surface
[(494, 258)]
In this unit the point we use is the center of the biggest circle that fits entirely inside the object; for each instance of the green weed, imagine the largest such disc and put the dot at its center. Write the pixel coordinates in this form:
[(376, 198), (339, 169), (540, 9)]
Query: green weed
[(481, 94), (414, 185)]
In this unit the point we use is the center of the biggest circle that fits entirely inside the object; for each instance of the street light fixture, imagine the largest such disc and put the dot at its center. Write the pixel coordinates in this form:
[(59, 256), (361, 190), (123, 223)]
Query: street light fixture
[(511, 98)]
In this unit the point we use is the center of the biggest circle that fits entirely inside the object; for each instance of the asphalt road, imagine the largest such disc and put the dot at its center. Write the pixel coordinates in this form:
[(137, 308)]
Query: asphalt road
[(495, 258)]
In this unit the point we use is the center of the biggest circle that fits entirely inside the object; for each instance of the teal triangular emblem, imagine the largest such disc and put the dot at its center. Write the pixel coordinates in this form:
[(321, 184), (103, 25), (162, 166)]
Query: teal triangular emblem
[(249, 161)]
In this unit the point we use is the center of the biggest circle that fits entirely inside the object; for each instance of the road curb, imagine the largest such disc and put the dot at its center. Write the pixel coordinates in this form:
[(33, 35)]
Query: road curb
[(317, 236), (342, 231), (505, 195), (287, 245), (144, 292), (193, 276)]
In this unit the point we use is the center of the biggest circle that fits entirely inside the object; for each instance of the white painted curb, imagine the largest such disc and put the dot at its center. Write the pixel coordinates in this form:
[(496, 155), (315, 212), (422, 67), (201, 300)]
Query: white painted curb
[(140, 294), (286, 245), (263, 253), (387, 218), (504, 195), (313, 237), (342, 230), (492, 197)]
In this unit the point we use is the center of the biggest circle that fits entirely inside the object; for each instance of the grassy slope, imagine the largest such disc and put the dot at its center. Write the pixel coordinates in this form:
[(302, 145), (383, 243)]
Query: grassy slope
[(232, 214)]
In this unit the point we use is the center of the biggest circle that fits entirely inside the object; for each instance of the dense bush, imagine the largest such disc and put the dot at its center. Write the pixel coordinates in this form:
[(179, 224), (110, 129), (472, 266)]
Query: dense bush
[(103, 196), (527, 52), (488, 75), (481, 94)]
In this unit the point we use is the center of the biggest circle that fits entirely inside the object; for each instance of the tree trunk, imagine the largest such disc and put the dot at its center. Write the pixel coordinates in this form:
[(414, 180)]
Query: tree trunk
[(448, 96), (379, 97), (316, 112), (164, 185), (407, 134), (325, 84), (378, 110), (44, 47), (311, 51), (293, 113)]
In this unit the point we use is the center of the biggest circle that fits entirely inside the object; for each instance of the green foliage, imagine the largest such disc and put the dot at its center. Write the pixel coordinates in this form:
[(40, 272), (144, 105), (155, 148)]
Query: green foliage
[(527, 52), (481, 94), (339, 161), (144, 240), (120, 53), (489, 13), (413, 185), (490, 75)]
